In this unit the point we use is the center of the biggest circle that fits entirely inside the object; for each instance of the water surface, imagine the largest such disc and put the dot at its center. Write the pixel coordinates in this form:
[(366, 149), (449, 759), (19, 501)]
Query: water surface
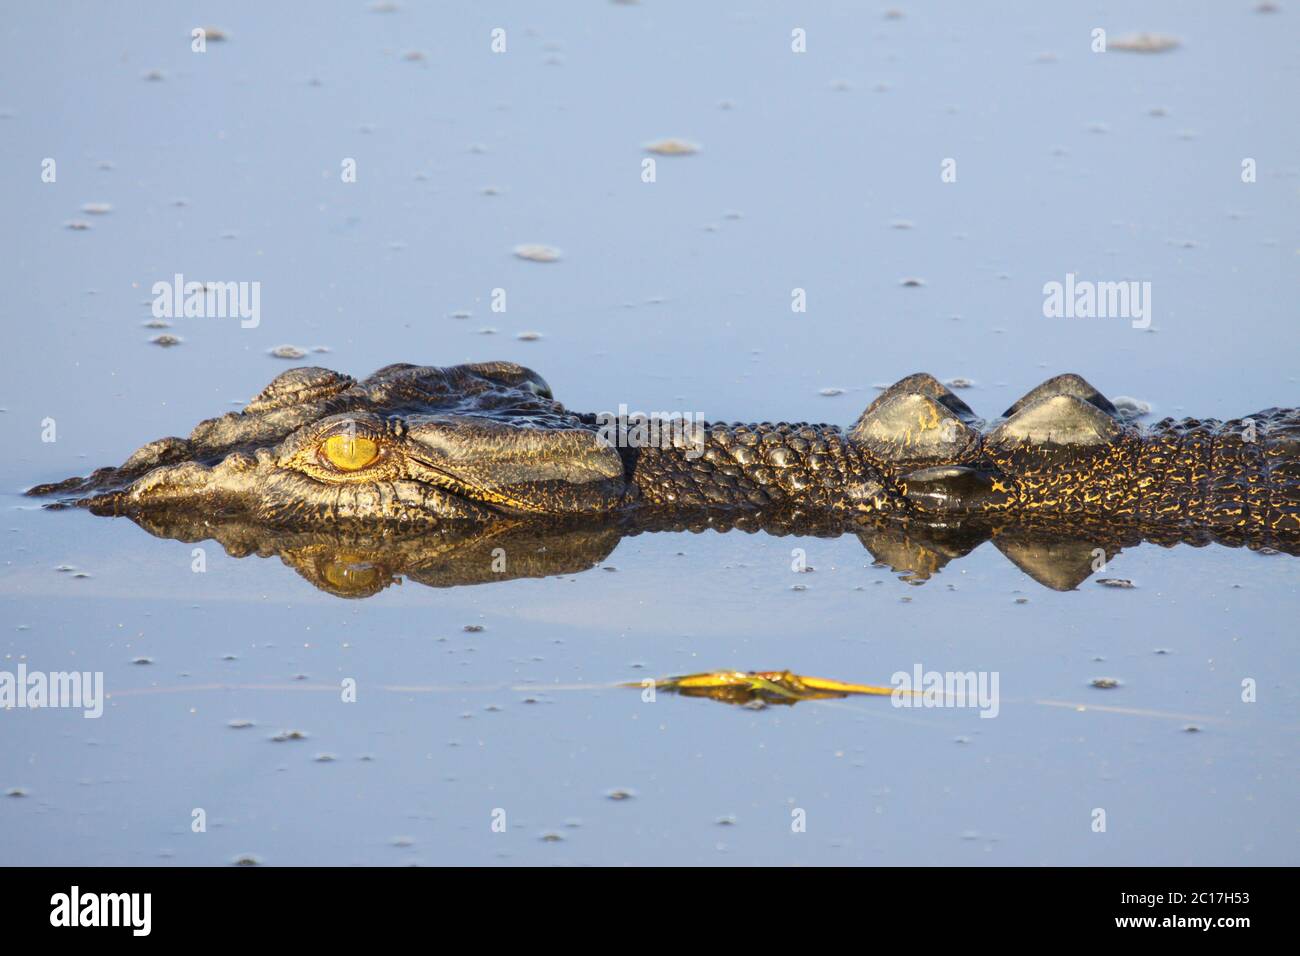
[(668, 295)]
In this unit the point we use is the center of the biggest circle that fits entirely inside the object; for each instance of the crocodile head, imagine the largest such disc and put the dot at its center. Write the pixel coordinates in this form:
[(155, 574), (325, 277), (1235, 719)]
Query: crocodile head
[(410, 445)]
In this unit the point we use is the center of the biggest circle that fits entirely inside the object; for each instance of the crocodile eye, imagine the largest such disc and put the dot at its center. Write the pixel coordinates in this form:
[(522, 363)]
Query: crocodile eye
[(349, 452), (348, 573)]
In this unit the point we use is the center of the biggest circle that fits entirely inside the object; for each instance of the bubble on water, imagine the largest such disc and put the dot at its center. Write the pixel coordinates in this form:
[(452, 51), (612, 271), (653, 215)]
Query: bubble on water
[(285, 735), (619, 793), (142, 661), (157, 324), (831, 391), (325, 758), (1122, 583), (1144, 43), (528, 336), (1130, 408), (239, 723), (16, 792), (473, 628), (537, 252), (246, 859), (97, 208), (165, 340), (1104, 683), (960, 382), (911, 282), (77, 225), (672, 146), (552, 836), (287, 352)]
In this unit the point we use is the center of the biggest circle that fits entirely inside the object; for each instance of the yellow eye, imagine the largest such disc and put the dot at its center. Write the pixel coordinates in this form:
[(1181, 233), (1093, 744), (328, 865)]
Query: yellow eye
[(349, 452)]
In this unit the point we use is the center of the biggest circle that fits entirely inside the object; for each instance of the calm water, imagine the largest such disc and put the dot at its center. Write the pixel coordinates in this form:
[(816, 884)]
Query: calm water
[(669, 295)]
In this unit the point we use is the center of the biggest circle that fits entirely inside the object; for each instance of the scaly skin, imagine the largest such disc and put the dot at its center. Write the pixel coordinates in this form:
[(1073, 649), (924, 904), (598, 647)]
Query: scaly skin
[(422, 447), (813, 467), (1186, 474)]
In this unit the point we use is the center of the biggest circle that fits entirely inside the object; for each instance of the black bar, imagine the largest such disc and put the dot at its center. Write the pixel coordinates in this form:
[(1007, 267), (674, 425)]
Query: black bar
[(767, 907)]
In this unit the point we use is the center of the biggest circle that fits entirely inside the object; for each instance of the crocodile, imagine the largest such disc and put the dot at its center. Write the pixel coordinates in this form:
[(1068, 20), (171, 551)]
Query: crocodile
[(418, 448)]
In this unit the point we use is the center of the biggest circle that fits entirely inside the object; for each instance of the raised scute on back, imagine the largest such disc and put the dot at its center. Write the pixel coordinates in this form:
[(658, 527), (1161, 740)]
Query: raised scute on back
[(1058, 420), (1067, 384), (913, 427), (923, 383)]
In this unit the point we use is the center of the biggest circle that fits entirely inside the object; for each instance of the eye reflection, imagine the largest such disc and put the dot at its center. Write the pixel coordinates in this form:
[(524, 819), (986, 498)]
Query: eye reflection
[(349, 452), (351, 573)]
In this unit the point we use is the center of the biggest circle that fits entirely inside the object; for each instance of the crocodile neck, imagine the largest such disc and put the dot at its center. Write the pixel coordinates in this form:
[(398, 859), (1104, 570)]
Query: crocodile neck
[(757, 466)]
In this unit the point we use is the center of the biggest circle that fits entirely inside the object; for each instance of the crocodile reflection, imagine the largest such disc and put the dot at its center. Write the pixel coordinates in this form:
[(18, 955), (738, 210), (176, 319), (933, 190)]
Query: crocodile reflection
[(357, 564)]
